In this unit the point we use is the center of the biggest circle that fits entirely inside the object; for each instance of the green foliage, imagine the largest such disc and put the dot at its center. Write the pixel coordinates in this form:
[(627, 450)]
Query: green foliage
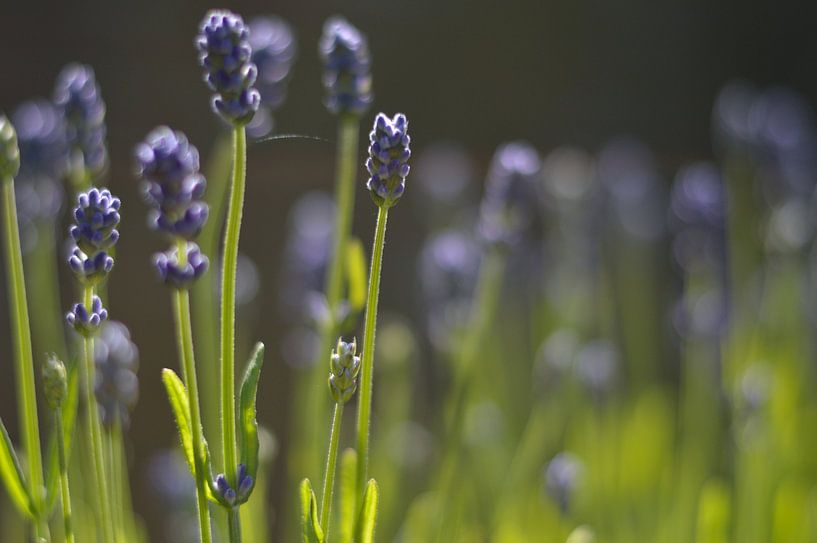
[(248, 427), (368, 514), (310, 520), (12, 475), (348, 500), (356, 274)]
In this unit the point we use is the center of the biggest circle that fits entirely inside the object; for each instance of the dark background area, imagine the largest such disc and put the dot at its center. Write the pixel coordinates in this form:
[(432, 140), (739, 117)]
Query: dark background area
[(478, 72)]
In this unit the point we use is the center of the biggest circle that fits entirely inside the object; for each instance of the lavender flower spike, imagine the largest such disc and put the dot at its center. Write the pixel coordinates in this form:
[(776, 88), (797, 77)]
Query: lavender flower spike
[(169, 166), (347, 68), (225, 54), (96, 217), (388, 159), (90, 270), (117, 386), (79, 100), (85, 321), (175, 275), (9, 152)]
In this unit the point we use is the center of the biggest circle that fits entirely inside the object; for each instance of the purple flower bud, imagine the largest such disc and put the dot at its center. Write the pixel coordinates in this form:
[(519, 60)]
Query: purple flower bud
[(87, 322), (245, 486), (388, 159), (116, 387), (347, 68), (176, 275), (509, 206), (9, 151), (561, 478), (96, 217), (225, 54), (90, 270), (78, 98)]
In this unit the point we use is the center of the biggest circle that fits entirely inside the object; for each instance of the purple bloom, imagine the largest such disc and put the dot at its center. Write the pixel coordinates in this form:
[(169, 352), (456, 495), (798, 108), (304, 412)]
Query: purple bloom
[(235, 497), (175, 275), (388, 159), (90, 270), (273, 52), (9, 151), (79, 100), (96, 217), (41, 136), (347, 68), (169, 166), (87, 321), (225, 54), (510, 204), (116, 387), (561, 478)]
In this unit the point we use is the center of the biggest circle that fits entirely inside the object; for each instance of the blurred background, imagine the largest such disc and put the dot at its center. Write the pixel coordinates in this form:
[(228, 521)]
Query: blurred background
[(632, 88)]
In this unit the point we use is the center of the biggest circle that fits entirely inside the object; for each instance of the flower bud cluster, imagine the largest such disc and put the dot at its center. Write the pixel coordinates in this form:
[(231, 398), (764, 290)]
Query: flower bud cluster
[(344, 369), (388, 159), (347, 64)]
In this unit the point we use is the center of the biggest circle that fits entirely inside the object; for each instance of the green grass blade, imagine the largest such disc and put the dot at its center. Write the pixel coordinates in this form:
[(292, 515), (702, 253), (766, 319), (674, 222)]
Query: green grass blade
[(13, 476), (310, 521), (348, 502), (248, 425), (368, 514)]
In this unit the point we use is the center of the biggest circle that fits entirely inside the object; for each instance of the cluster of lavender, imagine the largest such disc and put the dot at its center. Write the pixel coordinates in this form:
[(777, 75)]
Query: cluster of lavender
[(225, 54), (273, 52), (172, 185), (388, 159), (94, 232)]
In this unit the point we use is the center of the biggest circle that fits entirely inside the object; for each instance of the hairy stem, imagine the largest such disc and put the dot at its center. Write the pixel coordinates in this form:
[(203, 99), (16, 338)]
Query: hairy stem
[(331, 463), (367, 357), (65, 491), (23, 356), (94, 434), (228, 273), (184, 337)]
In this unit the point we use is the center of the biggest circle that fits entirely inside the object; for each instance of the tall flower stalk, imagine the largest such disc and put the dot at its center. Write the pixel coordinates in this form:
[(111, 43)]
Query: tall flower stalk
[(225, 54), (388, 167), (23, 355), (347, 83), (169, 166), (94, 233)]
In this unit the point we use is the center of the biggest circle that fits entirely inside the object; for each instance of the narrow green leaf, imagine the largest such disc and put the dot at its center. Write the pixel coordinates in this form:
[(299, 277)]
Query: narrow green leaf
[(12, 475), (180, 404), (356, 274), (248, 431), (310, 523), (368, 514), (346, 490)]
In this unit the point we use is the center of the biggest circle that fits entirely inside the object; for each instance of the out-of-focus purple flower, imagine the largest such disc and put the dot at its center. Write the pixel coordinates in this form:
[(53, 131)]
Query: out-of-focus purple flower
[(448, 268), (509, 206), (226, 56), (701, 314), (117, 386), (698, 216), (444, 172), (9, 150), (556, 355), (87, 321), (562, 476), (626, 169), (387, 164), (42, 141), (79, 101), (344, 367), (347, 74), (177, 275), (169, 166), (96, 217), (596, 366), (568, 178)]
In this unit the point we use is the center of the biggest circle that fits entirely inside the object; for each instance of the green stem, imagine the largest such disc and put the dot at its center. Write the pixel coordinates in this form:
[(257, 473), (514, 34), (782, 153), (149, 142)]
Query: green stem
[(317, 404), (65, 492), (228, 274), (331, 463), (184, 336), (95, 432), (47, 326), (203, 293), (24, 358), (367, 357), (234, 525)]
